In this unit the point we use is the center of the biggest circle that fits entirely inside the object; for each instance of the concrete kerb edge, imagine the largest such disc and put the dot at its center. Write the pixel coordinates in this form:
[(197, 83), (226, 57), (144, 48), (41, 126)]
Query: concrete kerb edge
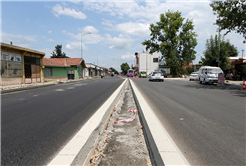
[(154, 154), (166, 149), (91, 144), (81, 147)]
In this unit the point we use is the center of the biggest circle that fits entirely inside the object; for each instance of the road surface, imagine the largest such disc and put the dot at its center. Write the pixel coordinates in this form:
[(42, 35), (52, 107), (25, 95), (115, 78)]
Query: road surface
[(206, 122), (37, 123)]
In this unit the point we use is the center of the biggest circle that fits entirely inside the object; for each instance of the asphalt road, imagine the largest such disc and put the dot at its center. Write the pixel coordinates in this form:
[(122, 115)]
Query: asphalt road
[(37, 123), (206, 122)]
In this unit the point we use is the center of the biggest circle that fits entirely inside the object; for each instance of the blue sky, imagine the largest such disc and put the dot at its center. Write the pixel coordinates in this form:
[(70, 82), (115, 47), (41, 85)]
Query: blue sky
[(117, 27)]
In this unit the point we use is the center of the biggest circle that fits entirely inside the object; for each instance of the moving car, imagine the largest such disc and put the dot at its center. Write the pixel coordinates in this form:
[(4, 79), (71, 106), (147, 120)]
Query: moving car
[(194, 76), (142, 74), (156, 75), (209, 74)]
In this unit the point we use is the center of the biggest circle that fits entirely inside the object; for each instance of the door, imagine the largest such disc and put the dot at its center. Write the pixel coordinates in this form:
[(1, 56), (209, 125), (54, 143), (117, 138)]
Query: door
[(28, 74), (70, 74)]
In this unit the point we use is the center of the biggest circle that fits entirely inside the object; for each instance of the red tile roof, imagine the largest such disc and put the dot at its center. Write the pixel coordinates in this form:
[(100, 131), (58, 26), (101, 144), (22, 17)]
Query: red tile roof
[(62, 62)]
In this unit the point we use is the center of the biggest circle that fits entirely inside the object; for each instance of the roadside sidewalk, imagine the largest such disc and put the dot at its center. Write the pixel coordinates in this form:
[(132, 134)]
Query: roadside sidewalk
[(235, 84), (19, 87)]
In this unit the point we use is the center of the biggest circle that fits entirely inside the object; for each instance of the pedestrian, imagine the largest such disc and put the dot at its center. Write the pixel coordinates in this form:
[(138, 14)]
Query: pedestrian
[(102, 75)]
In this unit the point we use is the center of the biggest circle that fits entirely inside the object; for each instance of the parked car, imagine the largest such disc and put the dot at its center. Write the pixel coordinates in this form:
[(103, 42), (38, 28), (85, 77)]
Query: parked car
[(156, 75), (209, 74), (142, 74), (194, 76)]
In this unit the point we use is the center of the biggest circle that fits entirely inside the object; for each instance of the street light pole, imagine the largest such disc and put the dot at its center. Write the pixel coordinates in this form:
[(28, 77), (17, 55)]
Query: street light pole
[(97, 57), (81, 42)]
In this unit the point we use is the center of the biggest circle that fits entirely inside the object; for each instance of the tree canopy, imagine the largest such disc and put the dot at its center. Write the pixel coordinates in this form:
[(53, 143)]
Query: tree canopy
[(57, 53), (212, 52), (113, 70), (174, 38), (124, 67), (231, 15)]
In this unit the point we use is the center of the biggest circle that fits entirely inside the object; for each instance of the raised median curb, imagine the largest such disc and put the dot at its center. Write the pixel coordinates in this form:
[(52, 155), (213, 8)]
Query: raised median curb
[(80, 148), (163, 150)]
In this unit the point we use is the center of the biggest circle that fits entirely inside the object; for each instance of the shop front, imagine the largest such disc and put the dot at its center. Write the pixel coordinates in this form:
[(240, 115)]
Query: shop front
[(20, 65)]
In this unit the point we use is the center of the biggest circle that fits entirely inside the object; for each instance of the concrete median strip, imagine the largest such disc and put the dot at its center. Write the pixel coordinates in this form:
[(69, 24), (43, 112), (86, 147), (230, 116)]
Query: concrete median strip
[(167, 149), (79, 148)]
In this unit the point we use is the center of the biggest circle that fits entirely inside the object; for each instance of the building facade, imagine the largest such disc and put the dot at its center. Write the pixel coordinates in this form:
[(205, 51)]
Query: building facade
[(63, 68), (20, 65), (147, 62)]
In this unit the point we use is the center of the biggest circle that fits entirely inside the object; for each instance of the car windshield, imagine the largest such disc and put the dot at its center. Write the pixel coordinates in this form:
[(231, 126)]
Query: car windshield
[(156, 72), (143, 72), (214, 71), (194, 73)]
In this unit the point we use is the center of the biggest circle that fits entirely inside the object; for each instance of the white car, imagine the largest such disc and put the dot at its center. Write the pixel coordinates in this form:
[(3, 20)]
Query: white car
[(209, 74), (156, 75), (194, 76)]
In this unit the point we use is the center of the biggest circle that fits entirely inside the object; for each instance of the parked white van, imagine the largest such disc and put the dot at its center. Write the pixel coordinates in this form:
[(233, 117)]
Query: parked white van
[(209, 74)]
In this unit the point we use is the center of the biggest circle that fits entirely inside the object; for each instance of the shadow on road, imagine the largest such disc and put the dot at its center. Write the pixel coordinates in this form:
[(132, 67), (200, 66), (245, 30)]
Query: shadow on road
[(236, 91)]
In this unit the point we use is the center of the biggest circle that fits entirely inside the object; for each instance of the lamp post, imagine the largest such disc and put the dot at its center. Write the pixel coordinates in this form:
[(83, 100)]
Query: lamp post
[(97, 59), (81, 42)]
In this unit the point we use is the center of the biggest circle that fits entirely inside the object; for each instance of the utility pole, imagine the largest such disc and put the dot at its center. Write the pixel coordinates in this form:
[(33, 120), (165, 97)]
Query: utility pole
[(242, 53), (219, 48)]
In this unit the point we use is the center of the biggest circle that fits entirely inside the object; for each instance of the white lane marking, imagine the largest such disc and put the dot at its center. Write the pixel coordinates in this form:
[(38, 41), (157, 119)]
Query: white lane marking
[(79, 84), (59, 90), (71, 88), (67, 155), (170, 153), (35, 95)]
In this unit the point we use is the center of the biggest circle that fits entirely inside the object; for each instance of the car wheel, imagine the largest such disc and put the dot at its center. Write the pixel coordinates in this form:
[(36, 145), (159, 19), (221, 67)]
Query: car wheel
[(190, 79)]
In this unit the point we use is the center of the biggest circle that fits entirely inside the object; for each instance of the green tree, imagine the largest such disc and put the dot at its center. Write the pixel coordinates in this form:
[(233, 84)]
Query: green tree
[(113, 70), (124, 67), (231, 15), (175, 39), (57, 53), (212, 52)]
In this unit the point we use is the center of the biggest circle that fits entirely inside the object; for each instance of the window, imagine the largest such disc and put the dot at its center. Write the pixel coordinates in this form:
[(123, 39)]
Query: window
[(155, 59)]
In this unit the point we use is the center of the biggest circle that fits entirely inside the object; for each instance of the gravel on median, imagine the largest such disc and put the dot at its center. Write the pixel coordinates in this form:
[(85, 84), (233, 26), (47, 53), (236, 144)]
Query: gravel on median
[(122, 143)]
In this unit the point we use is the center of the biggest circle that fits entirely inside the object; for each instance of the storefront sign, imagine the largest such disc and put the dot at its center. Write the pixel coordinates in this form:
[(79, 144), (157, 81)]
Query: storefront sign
[(221, 79), (5, 57)]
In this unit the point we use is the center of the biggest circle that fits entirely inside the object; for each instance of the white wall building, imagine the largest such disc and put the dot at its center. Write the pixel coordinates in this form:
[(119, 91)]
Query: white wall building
[(90, 70), (147, 62)]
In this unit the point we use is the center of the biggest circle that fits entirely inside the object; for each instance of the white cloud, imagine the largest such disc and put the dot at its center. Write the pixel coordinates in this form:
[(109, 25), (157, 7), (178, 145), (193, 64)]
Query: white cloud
[(76, 45), (120, 42), (128, 56), (50, 39), (18, 39), (108, 23), (87, 38), (131, 28), (88, 29), (76, 1), (58, 10), (50, 32)]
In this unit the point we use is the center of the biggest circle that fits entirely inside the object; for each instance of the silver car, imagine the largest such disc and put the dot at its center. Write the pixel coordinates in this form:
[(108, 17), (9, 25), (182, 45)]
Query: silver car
[(156, 75), (194, 76)]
